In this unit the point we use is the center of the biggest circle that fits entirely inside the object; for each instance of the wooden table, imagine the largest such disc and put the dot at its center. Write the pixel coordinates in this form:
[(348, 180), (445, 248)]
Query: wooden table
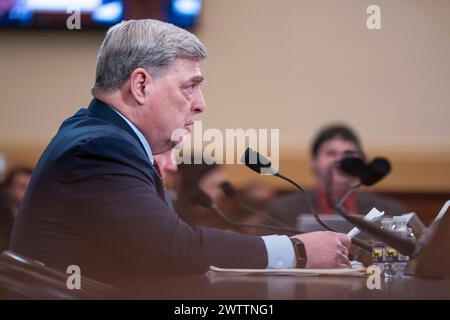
[(232, 287)]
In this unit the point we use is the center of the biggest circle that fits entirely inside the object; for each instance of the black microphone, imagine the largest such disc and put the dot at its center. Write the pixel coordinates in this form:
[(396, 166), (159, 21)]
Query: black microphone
[(230, 192), (201, 198), (368, 174), (258, 163), (353, 166)]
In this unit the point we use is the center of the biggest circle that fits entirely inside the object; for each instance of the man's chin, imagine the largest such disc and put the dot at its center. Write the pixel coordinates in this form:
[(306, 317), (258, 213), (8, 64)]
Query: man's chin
[(188, 128)]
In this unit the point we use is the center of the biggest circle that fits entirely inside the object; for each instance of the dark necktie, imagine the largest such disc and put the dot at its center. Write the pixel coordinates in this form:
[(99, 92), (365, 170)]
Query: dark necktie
[(159, 181)]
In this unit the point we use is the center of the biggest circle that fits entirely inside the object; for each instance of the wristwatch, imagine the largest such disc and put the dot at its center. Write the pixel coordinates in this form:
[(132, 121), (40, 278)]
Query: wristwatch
[(300, 253)]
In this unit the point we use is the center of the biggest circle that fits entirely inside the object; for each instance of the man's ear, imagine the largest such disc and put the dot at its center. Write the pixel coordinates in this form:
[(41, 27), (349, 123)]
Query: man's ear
[(140, 82)]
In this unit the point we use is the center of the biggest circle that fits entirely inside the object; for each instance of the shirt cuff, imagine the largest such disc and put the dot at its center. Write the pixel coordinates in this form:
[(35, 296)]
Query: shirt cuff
[(280, 252)]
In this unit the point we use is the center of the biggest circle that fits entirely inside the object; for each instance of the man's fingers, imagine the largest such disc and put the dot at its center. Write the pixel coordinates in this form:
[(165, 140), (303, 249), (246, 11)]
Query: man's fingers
[(342, 259), (343, 249), (345, 240)]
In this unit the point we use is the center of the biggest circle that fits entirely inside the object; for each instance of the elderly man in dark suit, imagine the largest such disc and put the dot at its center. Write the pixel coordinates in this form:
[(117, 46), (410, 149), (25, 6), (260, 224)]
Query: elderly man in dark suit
[(96, 199)]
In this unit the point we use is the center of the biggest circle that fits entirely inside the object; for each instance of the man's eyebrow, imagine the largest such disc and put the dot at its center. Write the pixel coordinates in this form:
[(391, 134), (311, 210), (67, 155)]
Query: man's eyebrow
[(197, 79)]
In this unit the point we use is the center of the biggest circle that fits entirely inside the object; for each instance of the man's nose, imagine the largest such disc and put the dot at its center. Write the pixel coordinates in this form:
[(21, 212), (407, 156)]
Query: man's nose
[(199, 104)]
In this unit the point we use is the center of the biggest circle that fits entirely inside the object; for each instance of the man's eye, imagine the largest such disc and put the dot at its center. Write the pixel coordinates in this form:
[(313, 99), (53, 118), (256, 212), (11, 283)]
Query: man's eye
[(189, 90)]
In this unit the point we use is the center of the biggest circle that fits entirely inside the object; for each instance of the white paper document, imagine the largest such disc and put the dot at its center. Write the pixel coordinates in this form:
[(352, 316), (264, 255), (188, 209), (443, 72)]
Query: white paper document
[(291, 272), (372, 216)]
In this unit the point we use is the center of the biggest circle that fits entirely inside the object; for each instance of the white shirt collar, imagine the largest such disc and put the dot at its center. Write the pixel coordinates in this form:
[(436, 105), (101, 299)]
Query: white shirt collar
[(141, 137)]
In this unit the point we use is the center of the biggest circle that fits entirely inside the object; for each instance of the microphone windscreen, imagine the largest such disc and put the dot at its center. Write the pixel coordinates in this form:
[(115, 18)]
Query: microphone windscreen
[(255, 161), (381, 166), (353, 166), (377, 170), (201, 198), (227, 189)]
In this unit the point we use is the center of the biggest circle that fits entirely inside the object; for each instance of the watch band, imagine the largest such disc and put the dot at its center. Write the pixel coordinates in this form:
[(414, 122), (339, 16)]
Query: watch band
[(300, 253)]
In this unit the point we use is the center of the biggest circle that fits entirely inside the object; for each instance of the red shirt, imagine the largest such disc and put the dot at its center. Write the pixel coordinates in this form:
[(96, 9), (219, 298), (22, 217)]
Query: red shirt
[(350, 205)]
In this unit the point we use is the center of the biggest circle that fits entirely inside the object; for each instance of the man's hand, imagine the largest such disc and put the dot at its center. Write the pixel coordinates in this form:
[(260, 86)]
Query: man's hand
[(326, 249)]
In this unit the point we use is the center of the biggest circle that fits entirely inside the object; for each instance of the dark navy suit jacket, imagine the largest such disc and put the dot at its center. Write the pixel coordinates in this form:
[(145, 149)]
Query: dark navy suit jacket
[(96, 201)]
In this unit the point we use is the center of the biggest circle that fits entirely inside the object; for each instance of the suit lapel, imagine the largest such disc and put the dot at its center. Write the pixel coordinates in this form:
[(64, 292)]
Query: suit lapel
[(105, 112)]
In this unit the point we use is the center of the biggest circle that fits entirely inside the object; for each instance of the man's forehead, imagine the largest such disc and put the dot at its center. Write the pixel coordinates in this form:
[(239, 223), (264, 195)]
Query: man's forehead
[(189, 68), (339, 143)]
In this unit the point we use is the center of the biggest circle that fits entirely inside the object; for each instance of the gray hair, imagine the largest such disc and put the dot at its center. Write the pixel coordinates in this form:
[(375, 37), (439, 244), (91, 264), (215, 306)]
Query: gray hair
[(149, 44)]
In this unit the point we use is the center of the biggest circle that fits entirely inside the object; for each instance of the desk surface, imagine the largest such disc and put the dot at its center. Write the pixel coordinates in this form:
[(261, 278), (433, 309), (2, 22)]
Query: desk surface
[(229, 287)]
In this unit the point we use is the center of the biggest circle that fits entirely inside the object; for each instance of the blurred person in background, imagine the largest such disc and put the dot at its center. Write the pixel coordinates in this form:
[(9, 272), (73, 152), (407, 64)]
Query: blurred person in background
[(12, 191), (258, 195), (330, 145), (254, 195), (208, 178)]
